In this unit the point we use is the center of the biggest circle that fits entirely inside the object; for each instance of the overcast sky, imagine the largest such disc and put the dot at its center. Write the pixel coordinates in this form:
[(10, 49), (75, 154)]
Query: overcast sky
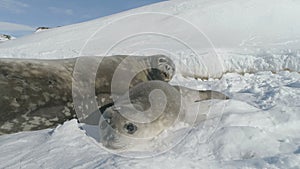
[(19, 17)]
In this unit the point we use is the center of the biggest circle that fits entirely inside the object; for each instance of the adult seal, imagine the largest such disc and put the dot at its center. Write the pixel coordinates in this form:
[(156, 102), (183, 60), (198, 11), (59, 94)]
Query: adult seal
[(37, 94), (148, 109)]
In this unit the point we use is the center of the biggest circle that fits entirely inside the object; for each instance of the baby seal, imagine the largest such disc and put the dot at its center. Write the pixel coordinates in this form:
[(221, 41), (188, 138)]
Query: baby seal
[(147, 110), (37, 94)]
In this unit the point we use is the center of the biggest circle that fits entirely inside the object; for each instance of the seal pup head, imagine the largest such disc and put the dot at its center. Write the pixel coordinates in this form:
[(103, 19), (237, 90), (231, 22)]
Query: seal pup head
[(138, 119), (153, 107)]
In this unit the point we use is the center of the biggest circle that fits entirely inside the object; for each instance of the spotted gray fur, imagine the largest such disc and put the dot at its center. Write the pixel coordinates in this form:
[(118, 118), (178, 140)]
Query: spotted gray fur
[(37, 94)]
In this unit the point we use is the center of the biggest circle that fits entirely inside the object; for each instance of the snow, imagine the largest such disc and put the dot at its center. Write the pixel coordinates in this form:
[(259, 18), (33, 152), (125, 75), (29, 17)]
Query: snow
[(4, 38), (255, 56)]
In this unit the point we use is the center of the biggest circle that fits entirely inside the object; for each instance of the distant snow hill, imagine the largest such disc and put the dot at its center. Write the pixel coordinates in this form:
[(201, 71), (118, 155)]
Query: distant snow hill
[(4, 37), (41, 29)]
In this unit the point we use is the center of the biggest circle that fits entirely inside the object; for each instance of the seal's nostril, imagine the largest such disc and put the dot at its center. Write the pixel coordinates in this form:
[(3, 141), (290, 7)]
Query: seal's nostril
[(167, 67), (103, 125)]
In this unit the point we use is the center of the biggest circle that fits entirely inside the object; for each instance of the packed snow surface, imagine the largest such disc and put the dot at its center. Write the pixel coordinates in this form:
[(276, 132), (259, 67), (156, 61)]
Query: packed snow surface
[(255, 61)]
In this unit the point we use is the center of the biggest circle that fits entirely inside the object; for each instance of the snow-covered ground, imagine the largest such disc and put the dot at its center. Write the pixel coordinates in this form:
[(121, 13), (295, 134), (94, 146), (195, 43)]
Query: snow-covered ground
[(256, 46)]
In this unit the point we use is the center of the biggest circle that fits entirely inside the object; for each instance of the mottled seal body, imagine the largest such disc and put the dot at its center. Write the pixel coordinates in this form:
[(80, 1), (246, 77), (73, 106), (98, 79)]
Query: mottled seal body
[(128, 121), (30, 90), (37, 94)]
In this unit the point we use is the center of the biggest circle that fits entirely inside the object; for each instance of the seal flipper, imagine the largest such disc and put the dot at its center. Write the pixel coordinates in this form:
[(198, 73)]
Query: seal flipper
[(210, 94), (200, 95)]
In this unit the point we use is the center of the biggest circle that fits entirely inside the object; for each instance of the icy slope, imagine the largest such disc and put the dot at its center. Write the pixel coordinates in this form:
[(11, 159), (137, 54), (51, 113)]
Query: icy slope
[(228, 23), (265, 33)]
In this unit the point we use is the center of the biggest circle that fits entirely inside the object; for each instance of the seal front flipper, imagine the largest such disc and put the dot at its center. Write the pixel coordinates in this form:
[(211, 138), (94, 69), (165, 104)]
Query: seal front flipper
[(210, 94), (193, 95), (200, 101)]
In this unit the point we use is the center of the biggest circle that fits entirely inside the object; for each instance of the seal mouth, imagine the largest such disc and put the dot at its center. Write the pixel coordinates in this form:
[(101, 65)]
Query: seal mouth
[(115, 146), (166, 76), (110, 138), (114, 143)]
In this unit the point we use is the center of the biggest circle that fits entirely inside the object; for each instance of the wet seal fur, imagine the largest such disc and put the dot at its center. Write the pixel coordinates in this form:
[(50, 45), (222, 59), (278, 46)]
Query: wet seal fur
[(37, 94), (128, 119)]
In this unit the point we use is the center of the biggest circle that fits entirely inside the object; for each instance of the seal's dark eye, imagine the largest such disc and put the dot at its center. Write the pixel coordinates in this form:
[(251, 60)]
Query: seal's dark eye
[(130, 128)]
